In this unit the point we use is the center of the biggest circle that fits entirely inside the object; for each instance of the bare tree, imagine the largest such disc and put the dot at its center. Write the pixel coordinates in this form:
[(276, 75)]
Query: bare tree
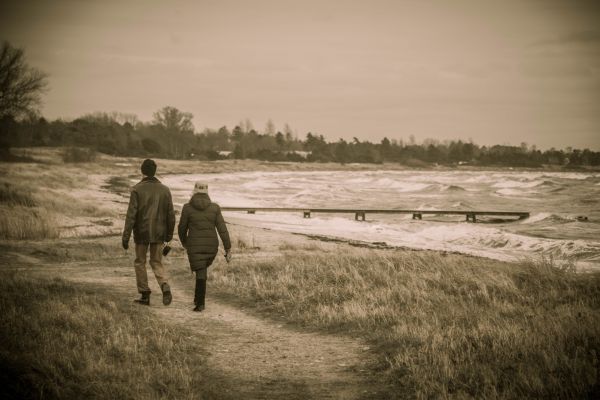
[(173, 120), (246, 125), (289, 133), (21, 86), (270, 128), (125, 118)]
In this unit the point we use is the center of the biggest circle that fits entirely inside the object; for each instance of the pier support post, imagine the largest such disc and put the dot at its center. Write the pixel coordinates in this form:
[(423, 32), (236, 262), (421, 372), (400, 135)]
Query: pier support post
[(359, 214), (417, 216), (471, 217), (251, 211), (306, 214)]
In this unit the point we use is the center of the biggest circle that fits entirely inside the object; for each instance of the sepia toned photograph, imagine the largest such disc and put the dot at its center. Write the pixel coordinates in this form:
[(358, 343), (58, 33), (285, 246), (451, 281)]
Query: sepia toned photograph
[(277, 199)]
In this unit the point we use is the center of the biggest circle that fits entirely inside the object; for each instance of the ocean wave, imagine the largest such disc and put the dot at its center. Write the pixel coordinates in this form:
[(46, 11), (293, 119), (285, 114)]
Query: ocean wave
[(454, 188), (507, 184), (487, 242), (461, 204), (400, 186), (425, 190), (546, 217), (261, 185), (475, 239), (513, 192)]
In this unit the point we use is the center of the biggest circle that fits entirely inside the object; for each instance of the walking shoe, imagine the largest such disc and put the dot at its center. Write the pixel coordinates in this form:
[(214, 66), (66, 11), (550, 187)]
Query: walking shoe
[(167, 297), (144, 300), (199, 308)]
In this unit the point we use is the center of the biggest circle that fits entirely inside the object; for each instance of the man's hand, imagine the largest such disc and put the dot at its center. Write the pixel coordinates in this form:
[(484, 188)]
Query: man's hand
[(125, 244), (228, 255)]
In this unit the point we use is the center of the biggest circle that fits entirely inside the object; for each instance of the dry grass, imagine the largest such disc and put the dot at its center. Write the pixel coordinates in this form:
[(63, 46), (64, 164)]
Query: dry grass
[(20, 218), (287, 246), (35, 198), (12, 195), (27, 223), (444, 326), (244, 244), (63, 341)]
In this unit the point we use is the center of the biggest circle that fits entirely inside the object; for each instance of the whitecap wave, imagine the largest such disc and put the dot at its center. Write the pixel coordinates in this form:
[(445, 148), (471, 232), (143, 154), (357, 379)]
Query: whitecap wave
[(517, 184), (513, 192)]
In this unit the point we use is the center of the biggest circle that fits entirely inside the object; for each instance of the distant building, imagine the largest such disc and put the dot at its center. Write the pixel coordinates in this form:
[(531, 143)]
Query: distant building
[(303, 154)]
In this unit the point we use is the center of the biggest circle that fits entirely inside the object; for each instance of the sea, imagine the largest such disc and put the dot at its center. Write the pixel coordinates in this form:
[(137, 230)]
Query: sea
[(564, 207)]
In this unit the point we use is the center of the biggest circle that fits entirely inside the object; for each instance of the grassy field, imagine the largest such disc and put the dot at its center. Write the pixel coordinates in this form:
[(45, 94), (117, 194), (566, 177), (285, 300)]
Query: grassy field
[(37, 202), (64, 341), (444, 326)]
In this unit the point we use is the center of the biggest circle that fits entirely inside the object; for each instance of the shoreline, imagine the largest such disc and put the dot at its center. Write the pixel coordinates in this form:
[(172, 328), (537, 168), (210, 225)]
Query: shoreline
[(51, 155), (105, 183)]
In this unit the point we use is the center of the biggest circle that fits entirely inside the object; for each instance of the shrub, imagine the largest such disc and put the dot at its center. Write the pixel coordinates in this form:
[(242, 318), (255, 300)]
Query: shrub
[(415, 163), (78, 155), (11, 195), (27, 223), (7, 156)]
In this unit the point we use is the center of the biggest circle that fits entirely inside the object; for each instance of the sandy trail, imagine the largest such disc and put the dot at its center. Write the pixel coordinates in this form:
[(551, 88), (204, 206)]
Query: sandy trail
[(262, 358)]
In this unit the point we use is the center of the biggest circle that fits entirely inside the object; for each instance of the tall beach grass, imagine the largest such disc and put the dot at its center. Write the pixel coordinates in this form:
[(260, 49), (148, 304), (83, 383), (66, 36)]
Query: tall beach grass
[(62, 341), (444, 326), (34, 201), (18, 223), (20, 216)]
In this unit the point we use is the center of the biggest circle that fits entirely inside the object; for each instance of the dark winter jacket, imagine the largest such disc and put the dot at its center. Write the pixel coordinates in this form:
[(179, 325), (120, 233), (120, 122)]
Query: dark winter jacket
[(196, 229), (150, 214)]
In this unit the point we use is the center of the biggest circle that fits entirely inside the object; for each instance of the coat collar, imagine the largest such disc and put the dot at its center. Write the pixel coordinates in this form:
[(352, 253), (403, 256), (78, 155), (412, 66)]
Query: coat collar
[(151, 179)]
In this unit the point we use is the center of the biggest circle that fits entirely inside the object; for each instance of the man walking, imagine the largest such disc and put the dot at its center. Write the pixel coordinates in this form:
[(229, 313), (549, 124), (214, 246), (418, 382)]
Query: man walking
[(151, 217)]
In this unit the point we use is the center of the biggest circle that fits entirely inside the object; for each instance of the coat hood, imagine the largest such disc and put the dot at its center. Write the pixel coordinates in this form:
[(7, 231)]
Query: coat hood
[(200, 201)]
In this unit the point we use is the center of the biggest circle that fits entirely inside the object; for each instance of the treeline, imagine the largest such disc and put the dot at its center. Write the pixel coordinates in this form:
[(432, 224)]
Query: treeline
[(171, 134)]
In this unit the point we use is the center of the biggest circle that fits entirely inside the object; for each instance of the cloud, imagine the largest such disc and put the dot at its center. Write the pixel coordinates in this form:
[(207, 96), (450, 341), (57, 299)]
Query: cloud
[(587, 37)]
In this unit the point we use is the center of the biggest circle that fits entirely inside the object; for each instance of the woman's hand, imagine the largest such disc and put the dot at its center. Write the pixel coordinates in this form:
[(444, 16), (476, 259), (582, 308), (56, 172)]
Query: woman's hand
[(228, 255)]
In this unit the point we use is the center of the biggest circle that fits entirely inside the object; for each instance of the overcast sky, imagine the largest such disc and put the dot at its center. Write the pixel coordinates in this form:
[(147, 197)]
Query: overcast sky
[(494, 71)]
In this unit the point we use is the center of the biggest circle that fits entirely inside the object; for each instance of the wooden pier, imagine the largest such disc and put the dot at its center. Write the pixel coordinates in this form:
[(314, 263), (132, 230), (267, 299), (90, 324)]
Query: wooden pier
[(360, 214)]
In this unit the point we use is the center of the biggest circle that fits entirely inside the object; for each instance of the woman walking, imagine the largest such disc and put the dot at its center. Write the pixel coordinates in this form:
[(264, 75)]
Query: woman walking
[(196, 229)]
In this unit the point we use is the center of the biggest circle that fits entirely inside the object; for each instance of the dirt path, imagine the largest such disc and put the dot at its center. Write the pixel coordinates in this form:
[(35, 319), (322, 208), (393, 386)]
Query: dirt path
[(265, 359)]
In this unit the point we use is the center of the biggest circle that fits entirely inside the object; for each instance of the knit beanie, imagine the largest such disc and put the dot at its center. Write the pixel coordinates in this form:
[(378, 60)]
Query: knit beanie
[(200, 187)]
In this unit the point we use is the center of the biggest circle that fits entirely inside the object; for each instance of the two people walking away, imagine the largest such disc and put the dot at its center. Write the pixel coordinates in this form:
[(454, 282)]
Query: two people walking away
[(200, 221), (151, 217)]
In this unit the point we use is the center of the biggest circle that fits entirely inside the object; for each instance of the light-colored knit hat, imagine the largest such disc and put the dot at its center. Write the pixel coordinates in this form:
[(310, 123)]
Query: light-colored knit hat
[(200, 187)]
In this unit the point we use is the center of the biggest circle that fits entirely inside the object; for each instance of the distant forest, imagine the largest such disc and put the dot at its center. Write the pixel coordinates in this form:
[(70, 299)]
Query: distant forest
[(171, 134)]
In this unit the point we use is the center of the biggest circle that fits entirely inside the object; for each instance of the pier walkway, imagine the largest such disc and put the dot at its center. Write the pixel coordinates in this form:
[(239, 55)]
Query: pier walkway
[(359, 214)]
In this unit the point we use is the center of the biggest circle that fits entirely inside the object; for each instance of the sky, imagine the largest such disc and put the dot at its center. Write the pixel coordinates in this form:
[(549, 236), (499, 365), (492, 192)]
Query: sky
[(495, 72)]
